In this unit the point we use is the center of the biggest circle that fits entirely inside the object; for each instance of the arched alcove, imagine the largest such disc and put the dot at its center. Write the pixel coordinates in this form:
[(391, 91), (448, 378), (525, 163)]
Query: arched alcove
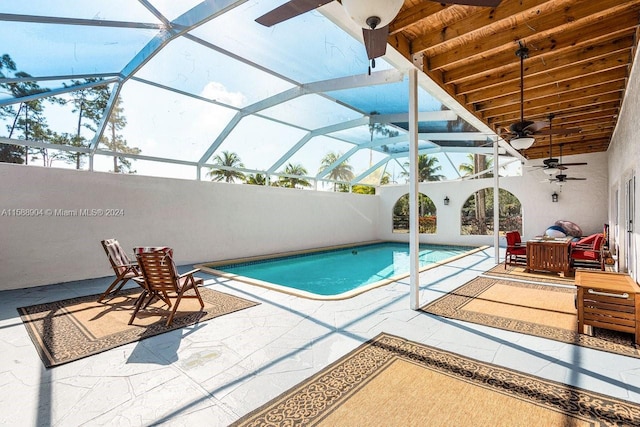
[(427, 215), (476, 215)]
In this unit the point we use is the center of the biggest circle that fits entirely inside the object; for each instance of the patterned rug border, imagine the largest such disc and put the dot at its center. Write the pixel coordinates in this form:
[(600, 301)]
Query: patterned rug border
[(335, 384), (85, 347), (500, 271), (452, 305)]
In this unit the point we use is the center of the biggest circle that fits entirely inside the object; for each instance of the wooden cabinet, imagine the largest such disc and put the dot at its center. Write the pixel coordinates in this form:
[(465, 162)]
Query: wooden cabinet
[(608, 300), (549, 255)]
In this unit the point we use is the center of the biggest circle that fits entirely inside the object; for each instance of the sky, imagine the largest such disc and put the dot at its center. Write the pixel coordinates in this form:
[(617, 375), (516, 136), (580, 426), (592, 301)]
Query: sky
[(163, 123)]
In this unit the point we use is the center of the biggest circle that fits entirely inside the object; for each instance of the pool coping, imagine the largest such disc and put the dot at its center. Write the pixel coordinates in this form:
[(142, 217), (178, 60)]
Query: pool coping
[(207, 268)]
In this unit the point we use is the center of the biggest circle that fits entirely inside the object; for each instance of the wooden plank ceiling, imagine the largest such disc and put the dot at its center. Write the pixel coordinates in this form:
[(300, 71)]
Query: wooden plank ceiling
[(580, 56)]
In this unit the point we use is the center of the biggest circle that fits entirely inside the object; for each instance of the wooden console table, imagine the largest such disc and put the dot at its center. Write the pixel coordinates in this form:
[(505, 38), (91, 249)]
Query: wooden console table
[(549, 255), (608, 300)]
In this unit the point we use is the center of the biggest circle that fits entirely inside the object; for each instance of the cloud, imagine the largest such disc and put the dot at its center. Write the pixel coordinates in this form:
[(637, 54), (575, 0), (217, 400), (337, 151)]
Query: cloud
[(218, 92)]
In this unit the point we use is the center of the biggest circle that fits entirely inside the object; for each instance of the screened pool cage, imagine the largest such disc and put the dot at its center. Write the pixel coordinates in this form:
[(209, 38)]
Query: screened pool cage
[(199, 90)]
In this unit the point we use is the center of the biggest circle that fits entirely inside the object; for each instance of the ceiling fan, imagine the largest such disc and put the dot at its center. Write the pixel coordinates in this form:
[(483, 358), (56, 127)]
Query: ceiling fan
[(562, 179), (373, 16), (552, 165), (521, 133)]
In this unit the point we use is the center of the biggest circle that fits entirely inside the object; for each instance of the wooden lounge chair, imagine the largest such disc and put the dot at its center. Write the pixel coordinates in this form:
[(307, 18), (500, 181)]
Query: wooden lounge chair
[(588, 255), (161, 280), (124, 269), (516, 250)]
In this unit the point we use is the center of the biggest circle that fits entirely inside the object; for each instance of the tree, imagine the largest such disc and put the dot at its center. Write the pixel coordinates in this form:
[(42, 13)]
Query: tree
[(380, 129), (6, 63), (90, 104), (362, 189), (116, 143), (256, 179), (291, 182), (386, 179), (29, 119), (228, 160), (479, 163), (426, 214), (56, 139), (509, 214), (342, 172), (427, 168), (9, 153)]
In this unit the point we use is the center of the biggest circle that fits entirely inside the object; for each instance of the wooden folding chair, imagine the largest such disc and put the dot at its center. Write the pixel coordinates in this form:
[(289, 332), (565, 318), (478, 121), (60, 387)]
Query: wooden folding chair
[(124, 269), (161, 280)]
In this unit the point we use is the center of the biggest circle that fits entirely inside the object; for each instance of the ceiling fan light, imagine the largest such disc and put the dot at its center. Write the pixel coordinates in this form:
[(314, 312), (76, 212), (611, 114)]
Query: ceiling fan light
[(551, 170), (360, 11), (522, 142)]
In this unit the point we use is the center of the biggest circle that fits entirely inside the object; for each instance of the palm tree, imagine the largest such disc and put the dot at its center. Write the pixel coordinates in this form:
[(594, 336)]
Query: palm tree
[(426, 169), (342, 172), (257, 179), (228, 160), (380, 129), (477, 163), (289, 182)]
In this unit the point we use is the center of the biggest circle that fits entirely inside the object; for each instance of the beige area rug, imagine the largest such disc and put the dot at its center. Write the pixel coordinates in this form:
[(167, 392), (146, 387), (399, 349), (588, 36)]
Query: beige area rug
[(518, 272), (71, 329), (390, 381), (535, 309)]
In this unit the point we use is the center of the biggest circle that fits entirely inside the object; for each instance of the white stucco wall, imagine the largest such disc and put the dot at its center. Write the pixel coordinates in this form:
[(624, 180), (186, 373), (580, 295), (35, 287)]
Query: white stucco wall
[(624, 161), (205, 221), (582, 202), (202, 221)]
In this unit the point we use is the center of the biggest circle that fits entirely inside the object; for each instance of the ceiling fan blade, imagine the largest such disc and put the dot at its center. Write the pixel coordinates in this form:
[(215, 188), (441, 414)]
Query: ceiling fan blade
[(519, 127), (484, 3), (558, 131), (574, 164), (375, 41), (289, 10), (535, 126), (576, 179)]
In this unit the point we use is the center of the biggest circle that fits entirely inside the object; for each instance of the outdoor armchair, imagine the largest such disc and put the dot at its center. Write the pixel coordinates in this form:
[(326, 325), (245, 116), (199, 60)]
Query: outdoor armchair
[(589, 255), (123, 267), (161, 280), (516, 250)]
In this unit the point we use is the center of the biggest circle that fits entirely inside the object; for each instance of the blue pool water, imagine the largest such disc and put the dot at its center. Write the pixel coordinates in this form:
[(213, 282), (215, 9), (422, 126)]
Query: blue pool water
[(333, 272)]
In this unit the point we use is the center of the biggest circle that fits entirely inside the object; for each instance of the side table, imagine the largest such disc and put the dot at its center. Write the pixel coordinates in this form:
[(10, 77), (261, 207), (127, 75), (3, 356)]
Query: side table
[(608, 300)]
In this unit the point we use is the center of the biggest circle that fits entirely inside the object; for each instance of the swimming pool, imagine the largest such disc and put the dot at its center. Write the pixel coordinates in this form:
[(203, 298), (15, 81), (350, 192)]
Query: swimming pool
[(335, 273)]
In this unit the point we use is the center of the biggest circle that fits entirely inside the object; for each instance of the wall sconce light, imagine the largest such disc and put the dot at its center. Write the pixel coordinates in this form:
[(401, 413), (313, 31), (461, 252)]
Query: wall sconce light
[(554, 197), (446, 200)]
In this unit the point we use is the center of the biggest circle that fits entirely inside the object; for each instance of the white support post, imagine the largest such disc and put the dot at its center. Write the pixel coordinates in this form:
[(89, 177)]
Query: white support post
[(414, 241), (496, 203)]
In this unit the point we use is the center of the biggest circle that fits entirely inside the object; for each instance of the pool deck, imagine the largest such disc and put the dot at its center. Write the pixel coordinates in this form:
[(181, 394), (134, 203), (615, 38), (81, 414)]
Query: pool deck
[(217, 371)]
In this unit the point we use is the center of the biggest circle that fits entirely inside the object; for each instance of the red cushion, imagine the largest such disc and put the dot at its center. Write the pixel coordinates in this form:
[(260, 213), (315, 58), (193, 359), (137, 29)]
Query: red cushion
[(517, 251), (586, 255), (585, 240), (513, 238)]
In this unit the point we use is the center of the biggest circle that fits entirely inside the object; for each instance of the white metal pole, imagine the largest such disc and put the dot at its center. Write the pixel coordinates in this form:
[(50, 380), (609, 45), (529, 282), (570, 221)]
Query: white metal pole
[(496, 203), (414, 241)]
